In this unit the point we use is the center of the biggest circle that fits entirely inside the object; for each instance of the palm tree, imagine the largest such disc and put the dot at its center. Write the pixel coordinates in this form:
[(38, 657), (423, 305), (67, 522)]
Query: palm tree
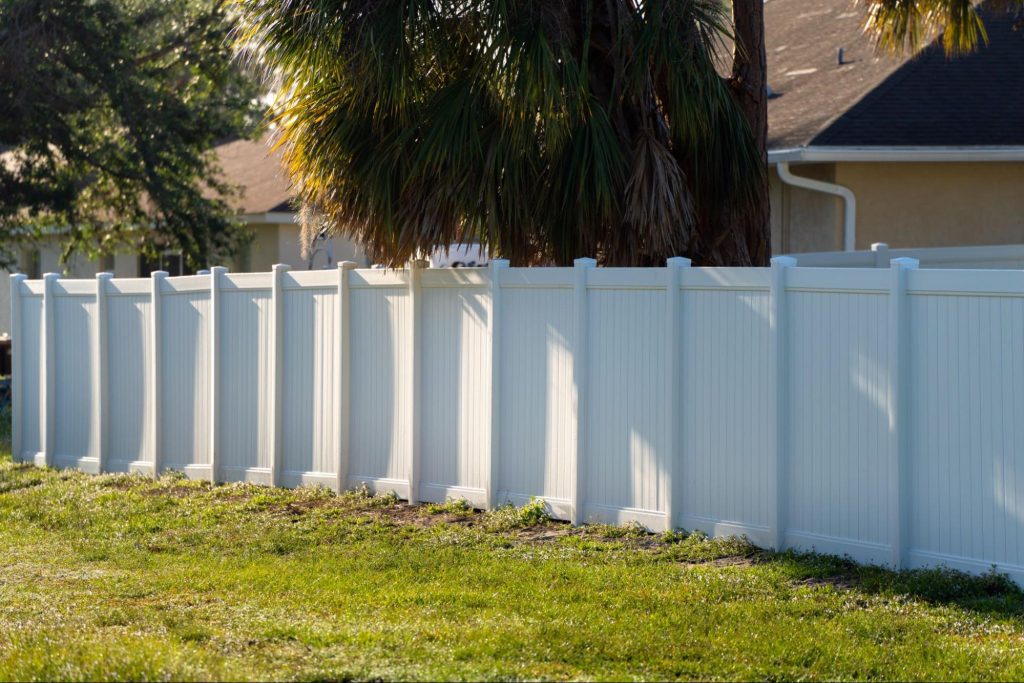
[(909, 25), (545, 129)]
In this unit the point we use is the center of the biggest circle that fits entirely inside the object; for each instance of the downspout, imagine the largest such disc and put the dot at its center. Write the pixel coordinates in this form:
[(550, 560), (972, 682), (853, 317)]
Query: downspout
[(849, 201)]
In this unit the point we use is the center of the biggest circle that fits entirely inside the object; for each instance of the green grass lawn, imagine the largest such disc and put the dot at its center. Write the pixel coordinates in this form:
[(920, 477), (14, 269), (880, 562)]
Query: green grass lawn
[(120, 577)]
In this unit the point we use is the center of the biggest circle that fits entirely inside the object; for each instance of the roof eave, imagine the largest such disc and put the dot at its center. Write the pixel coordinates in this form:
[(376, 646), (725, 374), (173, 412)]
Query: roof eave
[(823, 154)]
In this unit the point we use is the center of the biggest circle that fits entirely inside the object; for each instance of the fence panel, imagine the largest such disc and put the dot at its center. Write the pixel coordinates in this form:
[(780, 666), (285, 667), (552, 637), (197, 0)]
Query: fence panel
[(626, 389), (455, 349), (245, 371), (75, 428), (967, 444), (130, 353), (185, 376), (538, 419), (840, 450), (308, 449), (381, 422), (864, 411), (29, 400), (725, 398)]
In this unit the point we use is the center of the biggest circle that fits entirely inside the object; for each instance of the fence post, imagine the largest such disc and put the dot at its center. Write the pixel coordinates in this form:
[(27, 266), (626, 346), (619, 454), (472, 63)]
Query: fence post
[(495, 331), (101, 360), (155, 374), (215, 335), (580, 367), (673, 296), (881, 251), (16, 380), (779, 397), (899, 371), (415, 275), (343, 372), (49, 358), (277, 306)]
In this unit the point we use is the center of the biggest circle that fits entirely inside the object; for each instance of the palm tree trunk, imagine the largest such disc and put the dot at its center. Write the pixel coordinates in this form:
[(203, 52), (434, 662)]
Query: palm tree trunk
[(743, 237)]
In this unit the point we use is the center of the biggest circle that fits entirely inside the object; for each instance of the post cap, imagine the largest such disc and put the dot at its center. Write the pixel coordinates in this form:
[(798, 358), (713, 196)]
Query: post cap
[(347, 265), (678, 262), (585, 263), (904, 262), (879, 246), (158, 274), (783, 262)]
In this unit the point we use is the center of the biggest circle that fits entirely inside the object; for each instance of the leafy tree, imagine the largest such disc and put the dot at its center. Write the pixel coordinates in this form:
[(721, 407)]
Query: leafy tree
[(109, 110), (546, 129)]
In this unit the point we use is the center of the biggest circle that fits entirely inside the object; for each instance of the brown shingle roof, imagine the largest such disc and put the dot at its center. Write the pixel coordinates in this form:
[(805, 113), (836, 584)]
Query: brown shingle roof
[(873, 100), (803, 38), (258, 173)]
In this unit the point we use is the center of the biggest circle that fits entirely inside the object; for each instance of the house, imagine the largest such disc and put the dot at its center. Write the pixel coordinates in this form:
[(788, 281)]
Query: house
[(915, 151), (262, 203)]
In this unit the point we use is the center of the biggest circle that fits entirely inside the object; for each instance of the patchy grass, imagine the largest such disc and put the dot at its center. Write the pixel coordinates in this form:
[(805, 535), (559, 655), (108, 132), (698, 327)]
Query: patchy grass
[(122, 577)]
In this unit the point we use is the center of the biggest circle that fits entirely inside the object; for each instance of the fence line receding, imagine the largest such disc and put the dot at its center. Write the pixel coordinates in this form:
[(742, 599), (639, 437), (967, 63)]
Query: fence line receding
[(877, 413)]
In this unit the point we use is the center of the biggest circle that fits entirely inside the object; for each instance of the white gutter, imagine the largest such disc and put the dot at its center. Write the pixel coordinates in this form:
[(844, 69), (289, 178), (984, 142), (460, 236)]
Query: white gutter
[(849, 201), (896, 154)]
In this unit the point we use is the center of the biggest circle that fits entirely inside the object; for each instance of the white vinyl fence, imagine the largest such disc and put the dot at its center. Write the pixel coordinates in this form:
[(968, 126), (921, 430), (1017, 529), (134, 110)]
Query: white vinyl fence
[(869, 412), (996, 256)]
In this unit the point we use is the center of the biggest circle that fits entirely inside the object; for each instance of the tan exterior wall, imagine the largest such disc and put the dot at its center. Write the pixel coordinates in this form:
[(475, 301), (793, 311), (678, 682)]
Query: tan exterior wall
[(936, 205), (279, 243), (903, 205)]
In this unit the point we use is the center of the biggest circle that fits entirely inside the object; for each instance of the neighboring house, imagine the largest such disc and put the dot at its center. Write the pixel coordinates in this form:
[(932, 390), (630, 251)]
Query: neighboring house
[(263, 203), (931, 149)]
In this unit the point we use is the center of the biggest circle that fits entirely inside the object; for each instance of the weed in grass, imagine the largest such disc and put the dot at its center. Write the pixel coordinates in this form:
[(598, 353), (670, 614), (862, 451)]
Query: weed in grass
[(510, 518), (629, 530), (452, 506)]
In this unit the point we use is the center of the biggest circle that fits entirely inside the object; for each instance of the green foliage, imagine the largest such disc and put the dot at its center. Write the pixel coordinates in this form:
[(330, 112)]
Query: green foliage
[(122, 577), (109, 110), (910, 25), (545, 130)]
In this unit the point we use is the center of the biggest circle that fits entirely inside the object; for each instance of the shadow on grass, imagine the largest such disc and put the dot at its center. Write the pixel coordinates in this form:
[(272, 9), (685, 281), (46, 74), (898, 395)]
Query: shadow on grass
[(991, 593)]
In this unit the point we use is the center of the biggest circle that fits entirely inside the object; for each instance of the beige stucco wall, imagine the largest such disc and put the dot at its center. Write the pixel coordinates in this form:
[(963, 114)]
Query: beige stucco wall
[(937, 205), (902, 204)]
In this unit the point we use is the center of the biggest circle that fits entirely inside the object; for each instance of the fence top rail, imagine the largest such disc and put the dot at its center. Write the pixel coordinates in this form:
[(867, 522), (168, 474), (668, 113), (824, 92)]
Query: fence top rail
[(951, 281), (997, 254), (966, 282)]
